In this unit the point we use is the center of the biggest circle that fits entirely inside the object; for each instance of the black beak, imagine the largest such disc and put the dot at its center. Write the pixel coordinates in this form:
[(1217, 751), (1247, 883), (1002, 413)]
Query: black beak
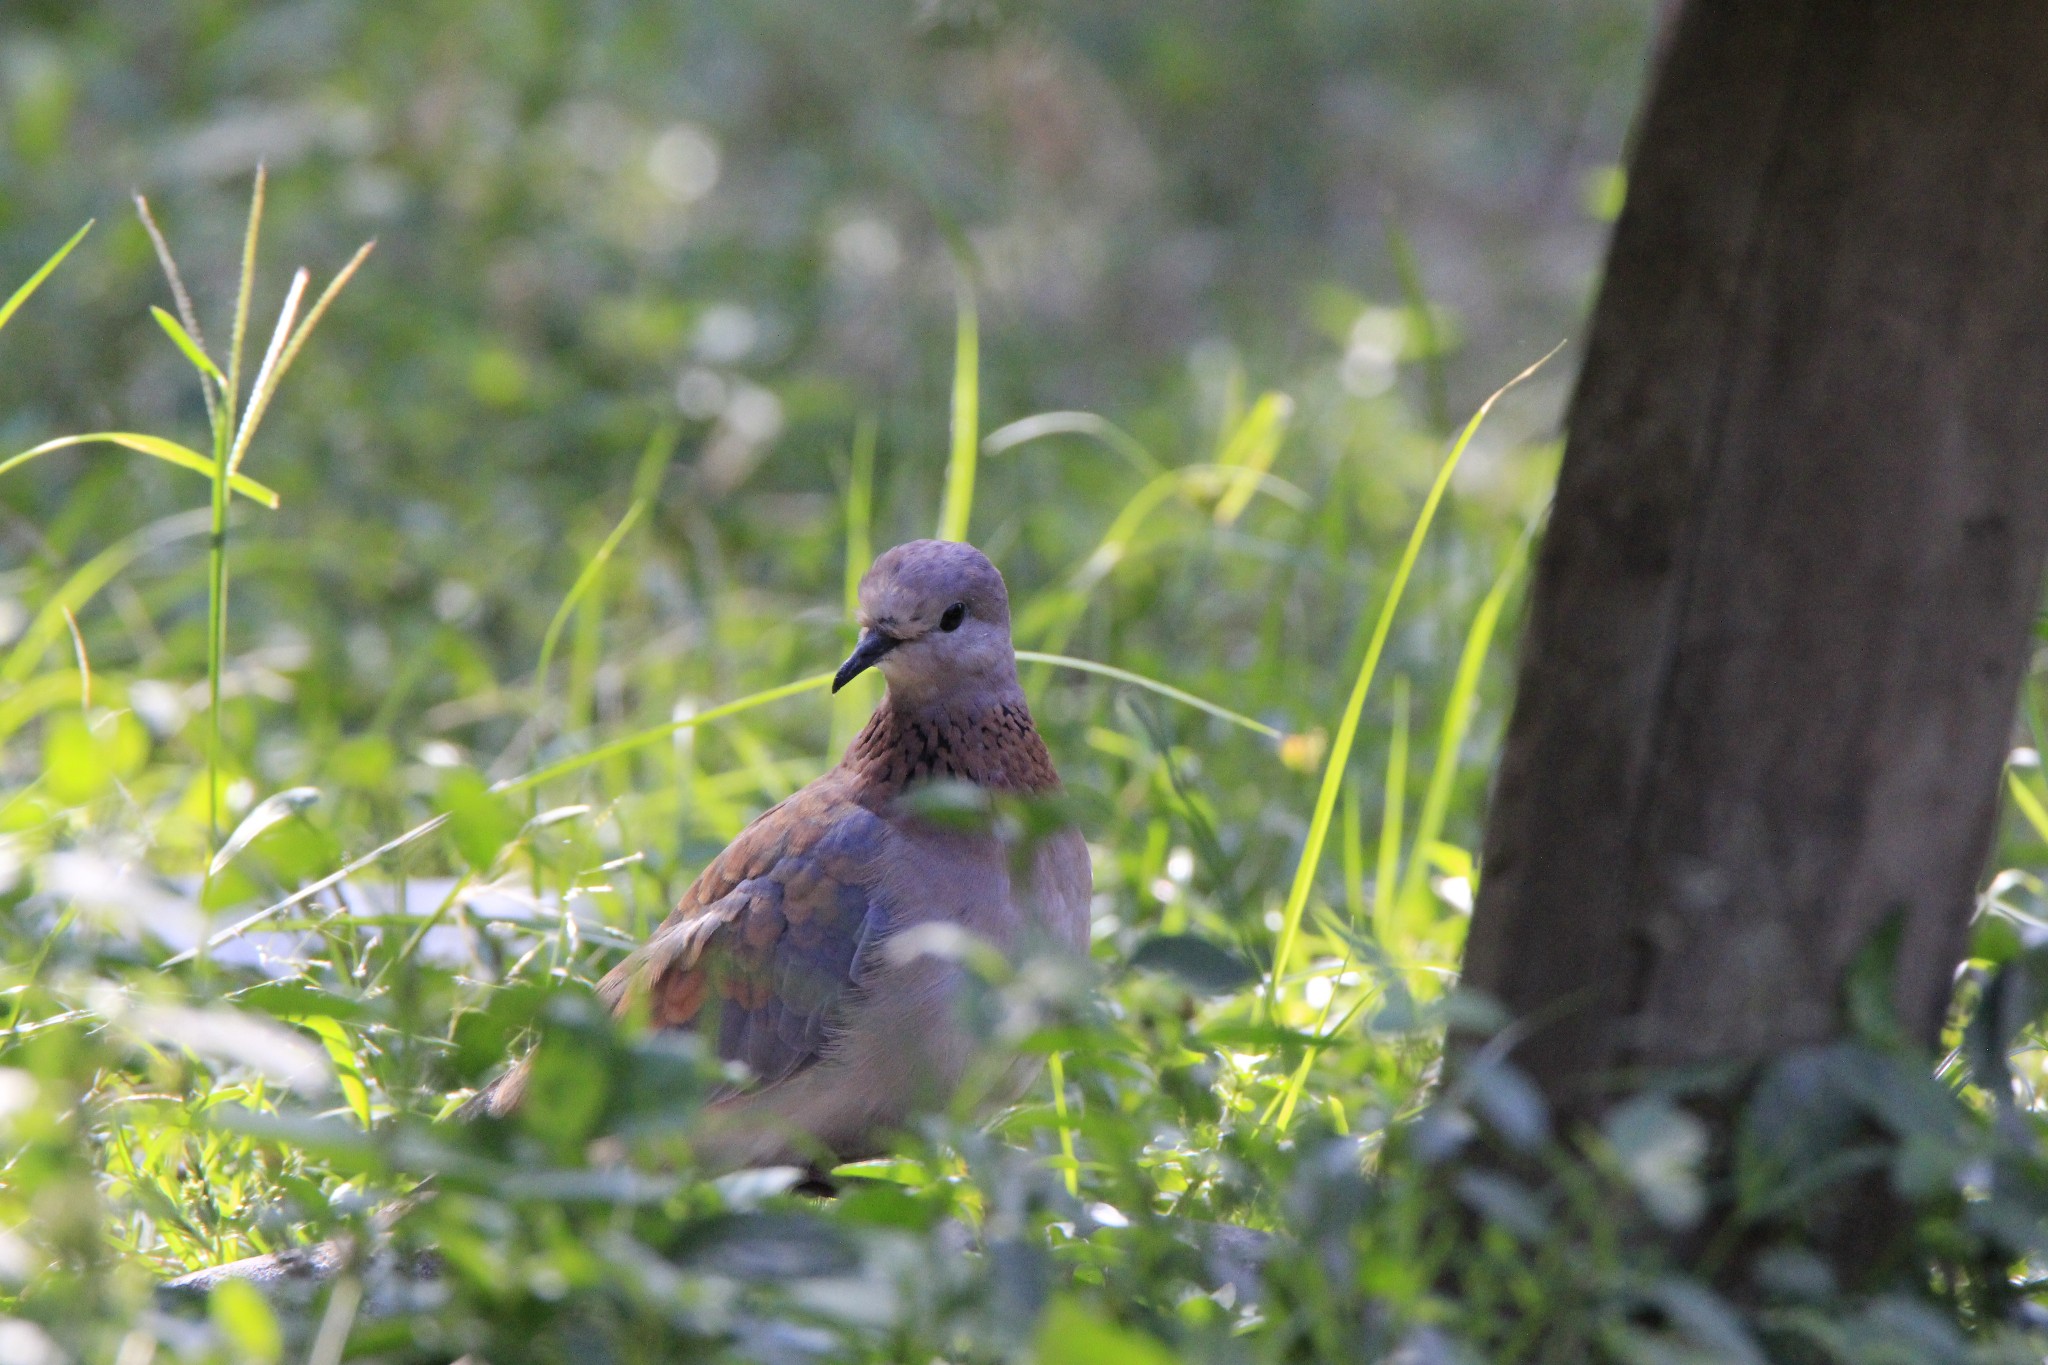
[(873, 645)]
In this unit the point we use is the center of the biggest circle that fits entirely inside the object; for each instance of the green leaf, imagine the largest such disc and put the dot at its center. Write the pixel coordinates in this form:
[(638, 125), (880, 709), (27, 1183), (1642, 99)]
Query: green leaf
[(480, 821), (170, 452), (242, 1315), (270, 811), (1250, 452), (347, 1067), (1073, 1333), (1198, 962), (958, 508), (182, 339), (1032, 656), (569, 1079), (35, 281), (81, 760)]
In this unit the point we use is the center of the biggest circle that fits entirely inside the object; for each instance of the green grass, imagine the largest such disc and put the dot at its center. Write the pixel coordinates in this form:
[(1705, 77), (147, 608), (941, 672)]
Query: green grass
[(1204, 615)]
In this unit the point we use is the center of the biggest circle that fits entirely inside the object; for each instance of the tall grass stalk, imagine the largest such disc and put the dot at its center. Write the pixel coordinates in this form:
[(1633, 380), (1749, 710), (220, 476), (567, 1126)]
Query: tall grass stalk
[(593, 569), (1387, 870), (1249, 451), (1070, 1165), (43, 272), (958, 507), (1457, 718), (233, 429), (1347, 726), (1088, 424)]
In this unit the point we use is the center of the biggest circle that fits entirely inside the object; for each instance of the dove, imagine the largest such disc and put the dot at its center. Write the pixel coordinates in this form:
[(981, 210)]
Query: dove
[(788, 952), (783, 952)]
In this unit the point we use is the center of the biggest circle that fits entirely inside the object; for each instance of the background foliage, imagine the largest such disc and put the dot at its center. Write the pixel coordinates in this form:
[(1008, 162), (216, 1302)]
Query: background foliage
[(659, 340)]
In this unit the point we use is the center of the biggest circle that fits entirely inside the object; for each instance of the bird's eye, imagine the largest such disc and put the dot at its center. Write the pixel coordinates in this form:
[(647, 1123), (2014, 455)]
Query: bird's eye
[(955, 614)]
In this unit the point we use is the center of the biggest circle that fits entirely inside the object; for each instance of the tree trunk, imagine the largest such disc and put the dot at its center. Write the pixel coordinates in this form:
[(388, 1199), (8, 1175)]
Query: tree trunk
[(1783, 605)]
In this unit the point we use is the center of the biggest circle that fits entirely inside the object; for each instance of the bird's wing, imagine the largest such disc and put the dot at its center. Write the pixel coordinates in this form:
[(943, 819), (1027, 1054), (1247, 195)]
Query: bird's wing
[(768, 942)]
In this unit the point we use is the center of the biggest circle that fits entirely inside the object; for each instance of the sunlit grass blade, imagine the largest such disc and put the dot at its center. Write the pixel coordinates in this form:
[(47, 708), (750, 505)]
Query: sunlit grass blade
[(655, 734), (84, 661), (1394, 799), (170, 452), (1124, 675), (1046, 424), (1457, 718), (592, 570), (1280, 1112), (1347, 728), (182, 339), (2029, 804), (1193, 479), (1250, 452), (958, 508), (43, 272), (1070, 1168)]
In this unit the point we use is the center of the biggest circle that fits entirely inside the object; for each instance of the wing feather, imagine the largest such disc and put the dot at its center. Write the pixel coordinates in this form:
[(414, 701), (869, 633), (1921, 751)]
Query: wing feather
[(769, 942)]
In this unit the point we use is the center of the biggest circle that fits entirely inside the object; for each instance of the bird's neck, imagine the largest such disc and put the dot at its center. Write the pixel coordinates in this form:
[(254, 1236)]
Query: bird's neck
[(988, 740)]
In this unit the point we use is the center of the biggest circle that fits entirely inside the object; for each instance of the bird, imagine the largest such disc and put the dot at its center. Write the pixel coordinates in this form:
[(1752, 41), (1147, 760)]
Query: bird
[(787, 953), (781, 950)]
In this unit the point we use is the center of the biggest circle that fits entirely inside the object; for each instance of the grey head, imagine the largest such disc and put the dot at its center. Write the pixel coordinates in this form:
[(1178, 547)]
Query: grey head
[(935, 619)]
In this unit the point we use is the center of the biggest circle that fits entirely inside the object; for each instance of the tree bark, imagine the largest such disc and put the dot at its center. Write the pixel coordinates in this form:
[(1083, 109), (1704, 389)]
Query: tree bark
[(1782, 608)]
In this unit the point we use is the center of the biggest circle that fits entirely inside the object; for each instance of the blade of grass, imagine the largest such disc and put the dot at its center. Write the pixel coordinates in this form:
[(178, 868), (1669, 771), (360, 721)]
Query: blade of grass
[(958, 507), (43, 272), (1395, 797), (182, 339), (1131, 518), (1070, 1170), (1045, 424), (1250, 452), (170, 452), (655, 734), (1436, 798), (1124, 675), (592, 569), (1281, 1111), (84, 662), (2029, 804), (1347, 729)]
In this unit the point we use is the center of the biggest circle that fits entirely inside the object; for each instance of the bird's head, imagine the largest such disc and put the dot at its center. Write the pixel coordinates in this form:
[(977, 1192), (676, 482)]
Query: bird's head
[(935, 619)]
